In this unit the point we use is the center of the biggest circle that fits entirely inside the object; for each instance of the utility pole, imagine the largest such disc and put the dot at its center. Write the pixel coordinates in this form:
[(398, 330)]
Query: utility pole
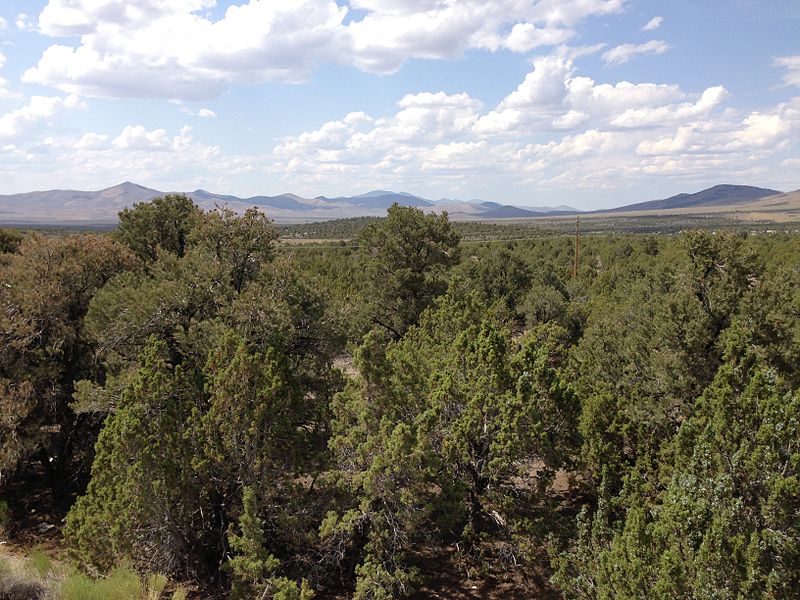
[(577, 246)]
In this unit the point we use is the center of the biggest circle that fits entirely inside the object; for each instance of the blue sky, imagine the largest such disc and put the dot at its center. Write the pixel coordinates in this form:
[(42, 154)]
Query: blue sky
[(592, 103)]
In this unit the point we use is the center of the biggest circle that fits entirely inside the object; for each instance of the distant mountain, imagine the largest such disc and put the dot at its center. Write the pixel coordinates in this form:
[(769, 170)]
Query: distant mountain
[(375, 193), (73, 205), (381, 199), (283, 201), (561, 209), (719, 195), (508, 212)]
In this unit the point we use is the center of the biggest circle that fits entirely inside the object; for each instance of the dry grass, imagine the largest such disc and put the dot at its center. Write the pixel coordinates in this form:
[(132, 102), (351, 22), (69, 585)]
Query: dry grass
[(38, 577)]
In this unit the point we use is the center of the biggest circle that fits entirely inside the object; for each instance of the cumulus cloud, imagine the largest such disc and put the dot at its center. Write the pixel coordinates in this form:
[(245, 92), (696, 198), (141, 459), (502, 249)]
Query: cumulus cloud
[(22, 21), (570, 120), (660, 115), (553, 96), (3, 24), (75, 102), (163, 50), (526, 36), (92, 141), (153, 48), (426, 128), (38, 108), (544, 87), (5, 93), (653, 24), (67, 17), (761, 130), (137, 137), (622, 54), (206, 113), (792, 66), (556, 130), (162, 159)]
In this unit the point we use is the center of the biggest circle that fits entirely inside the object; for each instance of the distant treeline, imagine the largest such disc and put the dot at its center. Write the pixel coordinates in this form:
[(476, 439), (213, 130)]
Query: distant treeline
[(408, 413), (349, 229)]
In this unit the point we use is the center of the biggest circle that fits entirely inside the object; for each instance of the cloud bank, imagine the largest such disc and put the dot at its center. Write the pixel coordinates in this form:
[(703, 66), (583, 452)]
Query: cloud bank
[(173, 49)]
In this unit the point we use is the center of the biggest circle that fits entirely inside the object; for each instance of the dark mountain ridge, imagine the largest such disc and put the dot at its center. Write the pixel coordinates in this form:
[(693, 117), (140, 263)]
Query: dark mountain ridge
[(718, 195)]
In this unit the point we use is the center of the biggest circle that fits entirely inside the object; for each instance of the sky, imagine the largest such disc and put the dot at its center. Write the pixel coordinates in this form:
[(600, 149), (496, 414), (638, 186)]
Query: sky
[(591, 103)]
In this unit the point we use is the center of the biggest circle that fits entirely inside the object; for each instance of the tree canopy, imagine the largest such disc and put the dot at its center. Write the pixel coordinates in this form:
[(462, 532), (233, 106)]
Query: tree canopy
[(410, 412)]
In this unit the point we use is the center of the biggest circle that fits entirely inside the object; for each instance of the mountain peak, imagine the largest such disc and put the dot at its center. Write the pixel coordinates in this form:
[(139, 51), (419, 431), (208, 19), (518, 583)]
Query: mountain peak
[(717, 195), (378, 193)]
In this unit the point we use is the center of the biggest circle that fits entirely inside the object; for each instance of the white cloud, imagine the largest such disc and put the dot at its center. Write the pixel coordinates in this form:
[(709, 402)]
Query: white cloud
[(625, 52), (67, 17), (22, 21), (136, 137), (553, 97), (544, 87), (3, 24), (526, 36), (605, 101), (763, 130), (612, 135), (570, 120), (792, 163), (164, 51), (667, 145), (498, 122), (164, 161), (152, 48), (792, 66), (649, 116), (75, 102), (653, 24), (5, 93), (393, 32), (206, 113), (426, 127), (92, 141), (38, 108)]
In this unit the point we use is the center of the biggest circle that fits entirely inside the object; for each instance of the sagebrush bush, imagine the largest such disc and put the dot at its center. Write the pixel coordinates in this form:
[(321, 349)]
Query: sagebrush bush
[(121, 584)]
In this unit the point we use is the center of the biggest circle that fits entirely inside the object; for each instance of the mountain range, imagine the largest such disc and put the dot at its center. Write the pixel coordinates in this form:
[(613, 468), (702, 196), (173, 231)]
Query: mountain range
[(719, 195), (75, 207)]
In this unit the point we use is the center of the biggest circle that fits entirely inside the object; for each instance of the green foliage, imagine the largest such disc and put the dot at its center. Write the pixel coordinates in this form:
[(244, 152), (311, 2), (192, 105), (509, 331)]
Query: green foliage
[(121, 584), (725, 525), (39, 562), (238, 244), (180, 594), (501, 276), (439, 435), (154, 585), (161, 225), (141, 475), (252, 567), (10, 240), (279, 420), (408, 254), (45, 291)]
